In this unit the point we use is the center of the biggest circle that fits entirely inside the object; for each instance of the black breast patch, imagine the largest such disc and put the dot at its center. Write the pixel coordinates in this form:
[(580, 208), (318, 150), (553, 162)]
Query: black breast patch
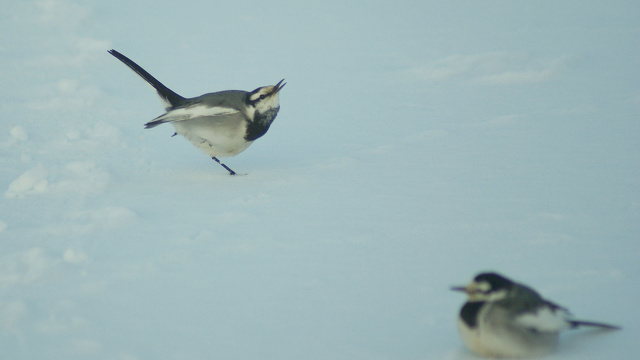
[(260, 124), (469, 313), (256, 130)]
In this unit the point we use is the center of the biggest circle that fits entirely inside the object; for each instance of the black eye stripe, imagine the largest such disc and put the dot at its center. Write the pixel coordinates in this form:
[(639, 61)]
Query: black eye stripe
[(261, 97), (252, 99)]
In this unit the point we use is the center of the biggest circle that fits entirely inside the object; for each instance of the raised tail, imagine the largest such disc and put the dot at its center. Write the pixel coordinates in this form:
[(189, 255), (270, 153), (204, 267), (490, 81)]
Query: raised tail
[(170, 98), (578, 323)]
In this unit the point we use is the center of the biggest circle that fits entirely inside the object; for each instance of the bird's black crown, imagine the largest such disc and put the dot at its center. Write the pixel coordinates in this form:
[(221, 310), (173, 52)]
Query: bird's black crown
[(496, 281)]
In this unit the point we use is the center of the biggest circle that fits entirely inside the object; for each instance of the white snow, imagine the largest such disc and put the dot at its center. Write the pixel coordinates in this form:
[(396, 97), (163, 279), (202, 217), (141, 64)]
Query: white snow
[(33, 181), (19, 133), (74, 257), (417, 144)]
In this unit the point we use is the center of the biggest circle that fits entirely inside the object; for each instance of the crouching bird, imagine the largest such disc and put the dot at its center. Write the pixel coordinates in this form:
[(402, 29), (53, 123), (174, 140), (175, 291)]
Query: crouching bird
[(222, 123), (505, 319)]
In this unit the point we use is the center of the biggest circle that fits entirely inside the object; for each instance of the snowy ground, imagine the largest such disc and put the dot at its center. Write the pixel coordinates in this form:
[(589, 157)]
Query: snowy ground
[(417, 144)]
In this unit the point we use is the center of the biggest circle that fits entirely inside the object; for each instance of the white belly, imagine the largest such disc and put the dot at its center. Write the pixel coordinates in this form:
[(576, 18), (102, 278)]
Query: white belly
[(215, 138), (495, 342)]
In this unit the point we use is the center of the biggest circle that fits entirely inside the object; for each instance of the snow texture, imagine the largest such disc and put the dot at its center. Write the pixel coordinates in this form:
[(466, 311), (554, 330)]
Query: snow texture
[(418, 143)]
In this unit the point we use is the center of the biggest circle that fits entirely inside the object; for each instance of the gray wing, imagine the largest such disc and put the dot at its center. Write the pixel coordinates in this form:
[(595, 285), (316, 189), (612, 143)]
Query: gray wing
[(190, 113), (208, 105)]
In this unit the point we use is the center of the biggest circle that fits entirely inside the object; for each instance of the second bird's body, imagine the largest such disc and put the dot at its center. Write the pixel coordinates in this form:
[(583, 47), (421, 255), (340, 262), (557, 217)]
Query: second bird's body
[(505, 319)]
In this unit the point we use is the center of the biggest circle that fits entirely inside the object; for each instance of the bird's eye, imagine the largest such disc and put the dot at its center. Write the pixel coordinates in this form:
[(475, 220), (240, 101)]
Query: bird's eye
[(262, 97)]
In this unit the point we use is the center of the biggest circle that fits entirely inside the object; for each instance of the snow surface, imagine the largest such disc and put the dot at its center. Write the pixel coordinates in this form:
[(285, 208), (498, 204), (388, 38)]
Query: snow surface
[(418, 143)]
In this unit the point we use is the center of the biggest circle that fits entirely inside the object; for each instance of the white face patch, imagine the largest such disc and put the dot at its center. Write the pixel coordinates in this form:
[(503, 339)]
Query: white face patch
[(192, 112), (264, 99), (480, 291), (483, 286)]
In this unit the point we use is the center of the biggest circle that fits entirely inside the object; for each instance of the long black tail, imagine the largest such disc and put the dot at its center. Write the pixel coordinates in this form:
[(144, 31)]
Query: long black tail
[(577, 323), (170, 98)]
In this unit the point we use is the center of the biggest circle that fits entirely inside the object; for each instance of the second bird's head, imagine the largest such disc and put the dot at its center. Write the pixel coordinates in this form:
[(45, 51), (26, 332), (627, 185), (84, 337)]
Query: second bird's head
[(487, 287)]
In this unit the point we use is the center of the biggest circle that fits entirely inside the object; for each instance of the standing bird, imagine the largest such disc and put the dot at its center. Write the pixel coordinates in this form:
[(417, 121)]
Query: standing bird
[(222, 123), (502, 318)]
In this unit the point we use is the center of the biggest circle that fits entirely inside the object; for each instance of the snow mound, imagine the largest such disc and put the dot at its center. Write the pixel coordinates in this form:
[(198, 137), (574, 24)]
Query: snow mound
[(19, 133), (82, 178), (33, 181)]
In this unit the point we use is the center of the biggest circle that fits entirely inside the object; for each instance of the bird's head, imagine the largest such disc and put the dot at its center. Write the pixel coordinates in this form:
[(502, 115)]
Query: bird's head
[(486, 287), (265, 99)]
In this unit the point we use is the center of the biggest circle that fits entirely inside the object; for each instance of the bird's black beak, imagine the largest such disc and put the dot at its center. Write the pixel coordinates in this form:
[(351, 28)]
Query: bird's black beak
[(459, 288), (278, 87)]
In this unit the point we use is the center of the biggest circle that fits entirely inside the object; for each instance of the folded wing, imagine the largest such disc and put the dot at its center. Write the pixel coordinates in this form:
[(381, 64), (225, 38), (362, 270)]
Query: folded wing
[(190, 113)]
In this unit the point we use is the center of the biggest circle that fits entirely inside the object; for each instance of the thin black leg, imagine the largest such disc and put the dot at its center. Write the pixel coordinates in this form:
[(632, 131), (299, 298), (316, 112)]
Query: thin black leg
[(231, 172)]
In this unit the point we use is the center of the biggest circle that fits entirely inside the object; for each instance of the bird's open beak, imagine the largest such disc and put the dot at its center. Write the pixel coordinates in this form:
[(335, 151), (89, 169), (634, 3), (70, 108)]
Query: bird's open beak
[(278, 87)]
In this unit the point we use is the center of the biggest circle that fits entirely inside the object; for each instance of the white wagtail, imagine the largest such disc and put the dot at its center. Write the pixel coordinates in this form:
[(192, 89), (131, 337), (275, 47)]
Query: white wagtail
[(502, 318), (220, 124)]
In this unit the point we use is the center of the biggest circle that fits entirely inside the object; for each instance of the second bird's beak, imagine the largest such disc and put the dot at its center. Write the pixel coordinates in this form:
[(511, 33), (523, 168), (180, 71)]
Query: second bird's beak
[(460, 288)]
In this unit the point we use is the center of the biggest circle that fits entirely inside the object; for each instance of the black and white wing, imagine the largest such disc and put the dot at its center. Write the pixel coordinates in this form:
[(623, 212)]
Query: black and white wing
[(546, 317), (191, 112)]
